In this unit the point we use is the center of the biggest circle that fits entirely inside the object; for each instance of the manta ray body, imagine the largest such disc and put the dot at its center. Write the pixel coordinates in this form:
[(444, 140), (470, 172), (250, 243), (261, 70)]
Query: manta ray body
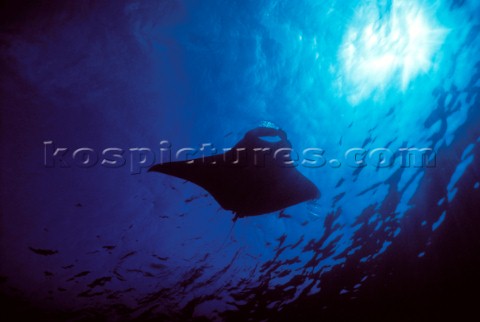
[(255, 177)]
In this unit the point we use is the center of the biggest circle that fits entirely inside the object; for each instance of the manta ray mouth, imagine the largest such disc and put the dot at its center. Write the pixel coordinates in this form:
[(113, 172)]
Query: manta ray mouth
[(271, 139)]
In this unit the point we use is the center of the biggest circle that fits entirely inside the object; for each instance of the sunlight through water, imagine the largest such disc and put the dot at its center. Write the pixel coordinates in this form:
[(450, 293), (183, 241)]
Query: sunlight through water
[(388, 45)]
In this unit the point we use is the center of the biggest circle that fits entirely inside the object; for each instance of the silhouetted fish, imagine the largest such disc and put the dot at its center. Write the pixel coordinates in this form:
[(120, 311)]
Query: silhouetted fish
[(247, 180)]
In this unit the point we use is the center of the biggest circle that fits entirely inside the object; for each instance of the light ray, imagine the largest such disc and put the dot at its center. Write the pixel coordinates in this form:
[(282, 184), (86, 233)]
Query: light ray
[(387, 48)]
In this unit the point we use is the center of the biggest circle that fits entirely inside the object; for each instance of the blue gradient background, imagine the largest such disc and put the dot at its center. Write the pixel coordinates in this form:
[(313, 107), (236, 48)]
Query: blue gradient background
[(396, 242)]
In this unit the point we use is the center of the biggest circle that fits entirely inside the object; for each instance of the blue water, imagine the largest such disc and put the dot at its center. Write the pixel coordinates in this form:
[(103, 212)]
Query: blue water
[(334, 75)]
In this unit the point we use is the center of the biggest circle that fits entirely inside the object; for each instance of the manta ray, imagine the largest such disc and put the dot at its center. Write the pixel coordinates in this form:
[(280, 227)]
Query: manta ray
[(255, 177)]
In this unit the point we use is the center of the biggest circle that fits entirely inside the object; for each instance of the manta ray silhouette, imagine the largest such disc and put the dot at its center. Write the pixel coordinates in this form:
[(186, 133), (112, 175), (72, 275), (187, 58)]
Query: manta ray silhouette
[(255, 177)]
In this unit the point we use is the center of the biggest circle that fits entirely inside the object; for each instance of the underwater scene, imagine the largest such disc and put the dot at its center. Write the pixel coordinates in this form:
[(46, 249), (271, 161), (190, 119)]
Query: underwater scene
[(125, 195)]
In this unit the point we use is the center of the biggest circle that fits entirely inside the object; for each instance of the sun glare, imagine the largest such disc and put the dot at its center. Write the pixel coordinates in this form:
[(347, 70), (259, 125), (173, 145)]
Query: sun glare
[(387, 48)]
